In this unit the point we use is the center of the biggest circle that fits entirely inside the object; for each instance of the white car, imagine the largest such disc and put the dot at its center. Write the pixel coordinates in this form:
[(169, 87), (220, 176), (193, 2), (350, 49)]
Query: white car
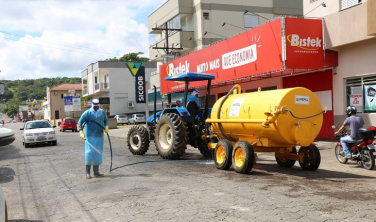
[(6, 136), (137, 118), (38, 131), (121, 119), (3, 207)]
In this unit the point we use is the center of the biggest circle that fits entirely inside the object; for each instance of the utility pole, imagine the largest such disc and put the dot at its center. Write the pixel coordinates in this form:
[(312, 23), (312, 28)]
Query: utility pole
[(166, 47)]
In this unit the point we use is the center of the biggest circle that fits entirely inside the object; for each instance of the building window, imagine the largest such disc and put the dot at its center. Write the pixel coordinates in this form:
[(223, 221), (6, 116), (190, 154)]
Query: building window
[(251, 21), (206, 15), (348, 3), (62, 95), (181, 21), (361, 93)]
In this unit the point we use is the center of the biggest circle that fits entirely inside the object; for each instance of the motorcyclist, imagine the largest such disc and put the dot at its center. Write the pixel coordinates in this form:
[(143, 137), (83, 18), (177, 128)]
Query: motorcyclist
[(354, 122), (96, 123)]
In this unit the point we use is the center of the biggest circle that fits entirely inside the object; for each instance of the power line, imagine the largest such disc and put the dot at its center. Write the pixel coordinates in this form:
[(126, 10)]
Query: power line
[(82, 48)]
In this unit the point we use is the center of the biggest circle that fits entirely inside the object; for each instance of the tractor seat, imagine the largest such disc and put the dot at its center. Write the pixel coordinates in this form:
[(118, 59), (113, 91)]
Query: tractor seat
[(192, 109)]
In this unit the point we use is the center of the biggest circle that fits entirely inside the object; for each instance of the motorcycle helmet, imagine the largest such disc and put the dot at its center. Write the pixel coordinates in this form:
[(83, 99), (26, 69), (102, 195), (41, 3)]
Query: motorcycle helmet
[(351, 110)]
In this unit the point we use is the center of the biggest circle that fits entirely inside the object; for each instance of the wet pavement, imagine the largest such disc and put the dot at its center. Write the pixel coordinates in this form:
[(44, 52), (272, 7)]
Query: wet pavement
[(46, 183)]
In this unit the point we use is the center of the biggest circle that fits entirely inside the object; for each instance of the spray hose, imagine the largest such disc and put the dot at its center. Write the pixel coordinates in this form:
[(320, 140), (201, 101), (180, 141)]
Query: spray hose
[(146, 161), (109, 140), (306, 117)]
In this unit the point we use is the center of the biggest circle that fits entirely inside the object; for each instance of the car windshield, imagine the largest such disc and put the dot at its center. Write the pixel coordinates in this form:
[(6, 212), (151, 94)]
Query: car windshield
[(140, 115), (36, 125), (122, 116), (70, 120)]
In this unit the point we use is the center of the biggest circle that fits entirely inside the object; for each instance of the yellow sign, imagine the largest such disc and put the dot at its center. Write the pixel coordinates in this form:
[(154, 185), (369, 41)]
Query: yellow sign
[(34, 105)]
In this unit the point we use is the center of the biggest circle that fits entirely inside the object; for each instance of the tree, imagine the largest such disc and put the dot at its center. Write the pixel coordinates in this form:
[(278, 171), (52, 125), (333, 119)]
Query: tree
[(130, 57), (12, 107)]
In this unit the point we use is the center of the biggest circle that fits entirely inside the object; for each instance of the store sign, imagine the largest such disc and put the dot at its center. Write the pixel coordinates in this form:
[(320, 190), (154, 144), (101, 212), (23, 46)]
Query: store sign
[(72, 103), (304, 43), (356, 100), (254, 52), (138, 72)]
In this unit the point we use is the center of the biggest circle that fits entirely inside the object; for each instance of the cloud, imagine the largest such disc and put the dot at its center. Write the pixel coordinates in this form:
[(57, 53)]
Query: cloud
[(60, 38)]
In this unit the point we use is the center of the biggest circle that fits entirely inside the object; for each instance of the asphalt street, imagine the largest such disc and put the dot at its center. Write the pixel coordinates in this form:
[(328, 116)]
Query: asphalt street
[(46, 183)]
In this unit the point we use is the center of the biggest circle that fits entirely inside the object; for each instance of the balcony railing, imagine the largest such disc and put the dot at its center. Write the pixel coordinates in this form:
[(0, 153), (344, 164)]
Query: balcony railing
[(96, 86), (105, 85)]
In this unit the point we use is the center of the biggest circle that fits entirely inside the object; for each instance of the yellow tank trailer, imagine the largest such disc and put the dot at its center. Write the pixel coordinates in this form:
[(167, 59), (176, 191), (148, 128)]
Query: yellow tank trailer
[(277, 121)]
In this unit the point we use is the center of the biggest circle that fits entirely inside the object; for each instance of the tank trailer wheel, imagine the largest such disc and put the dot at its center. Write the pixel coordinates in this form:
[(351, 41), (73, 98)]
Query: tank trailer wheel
[(312, 157), (367, 159), (171, 136), (338, 150), (282, 162), (222, 154), (243, 157), (138, 140)]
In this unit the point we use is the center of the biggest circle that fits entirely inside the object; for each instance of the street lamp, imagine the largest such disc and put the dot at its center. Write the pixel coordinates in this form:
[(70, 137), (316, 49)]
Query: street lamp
[(206, 32), (226, 23), (322, 4)]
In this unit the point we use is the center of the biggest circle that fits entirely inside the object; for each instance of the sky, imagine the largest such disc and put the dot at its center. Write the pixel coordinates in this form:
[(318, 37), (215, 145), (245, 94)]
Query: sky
[(60, 38)]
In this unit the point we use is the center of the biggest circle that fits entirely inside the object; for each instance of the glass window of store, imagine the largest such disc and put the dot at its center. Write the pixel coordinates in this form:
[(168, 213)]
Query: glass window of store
[(361, 93)]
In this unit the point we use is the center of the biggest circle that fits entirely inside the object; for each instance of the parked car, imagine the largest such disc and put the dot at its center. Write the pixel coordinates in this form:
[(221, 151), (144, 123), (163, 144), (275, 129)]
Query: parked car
[(137, 118), (121, 119), (6, 136), (38, 131), (68, 124), (3, 207)]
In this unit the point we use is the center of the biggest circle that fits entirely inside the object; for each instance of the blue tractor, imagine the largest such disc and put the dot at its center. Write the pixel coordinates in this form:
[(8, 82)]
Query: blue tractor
[(178, 125)]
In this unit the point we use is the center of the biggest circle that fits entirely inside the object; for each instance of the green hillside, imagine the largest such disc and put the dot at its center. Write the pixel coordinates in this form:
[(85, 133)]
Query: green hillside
[(18, 91)]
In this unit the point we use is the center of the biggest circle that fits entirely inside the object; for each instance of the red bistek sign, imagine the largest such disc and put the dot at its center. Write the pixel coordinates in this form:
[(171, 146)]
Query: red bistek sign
[(256, 51)]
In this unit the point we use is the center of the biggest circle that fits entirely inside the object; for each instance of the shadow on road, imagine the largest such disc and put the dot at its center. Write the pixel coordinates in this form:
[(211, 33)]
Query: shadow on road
[(6, 174)]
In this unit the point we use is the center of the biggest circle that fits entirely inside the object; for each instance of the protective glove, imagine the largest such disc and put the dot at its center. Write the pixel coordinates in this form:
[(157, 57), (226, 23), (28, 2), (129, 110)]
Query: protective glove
[(82, 134), (105, 129)]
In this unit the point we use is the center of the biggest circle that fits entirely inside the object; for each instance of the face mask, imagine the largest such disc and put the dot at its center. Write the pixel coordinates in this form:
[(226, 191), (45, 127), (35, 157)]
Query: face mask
[(95, 108)]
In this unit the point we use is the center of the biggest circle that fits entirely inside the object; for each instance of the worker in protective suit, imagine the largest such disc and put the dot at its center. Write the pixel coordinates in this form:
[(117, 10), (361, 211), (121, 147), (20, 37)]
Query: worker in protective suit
[(192, 97), (96, 122)]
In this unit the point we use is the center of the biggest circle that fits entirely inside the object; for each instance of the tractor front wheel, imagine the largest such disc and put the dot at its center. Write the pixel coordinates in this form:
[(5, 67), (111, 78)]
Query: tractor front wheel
[(311, 156), (138, 140), (222, 154), (171, 136), (243, 157)]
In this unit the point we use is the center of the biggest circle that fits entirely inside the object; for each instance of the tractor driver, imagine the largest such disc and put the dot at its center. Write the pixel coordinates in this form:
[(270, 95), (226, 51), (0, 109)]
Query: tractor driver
[(192, 97)]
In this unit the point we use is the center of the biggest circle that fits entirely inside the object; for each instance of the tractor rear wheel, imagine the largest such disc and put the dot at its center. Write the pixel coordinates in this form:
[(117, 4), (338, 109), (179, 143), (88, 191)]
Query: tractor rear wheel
[(312, 157), (222, 154), (243, 157), (138, 140), (171, 136), (283, 162)]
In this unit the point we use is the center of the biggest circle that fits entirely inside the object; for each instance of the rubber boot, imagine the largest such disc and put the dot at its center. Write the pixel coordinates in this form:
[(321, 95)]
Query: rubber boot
[(88, 176), (96, 172)]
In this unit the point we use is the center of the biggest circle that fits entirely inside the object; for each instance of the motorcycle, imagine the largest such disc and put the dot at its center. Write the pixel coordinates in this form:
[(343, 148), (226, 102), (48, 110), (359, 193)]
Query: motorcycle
[(361, 150)]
